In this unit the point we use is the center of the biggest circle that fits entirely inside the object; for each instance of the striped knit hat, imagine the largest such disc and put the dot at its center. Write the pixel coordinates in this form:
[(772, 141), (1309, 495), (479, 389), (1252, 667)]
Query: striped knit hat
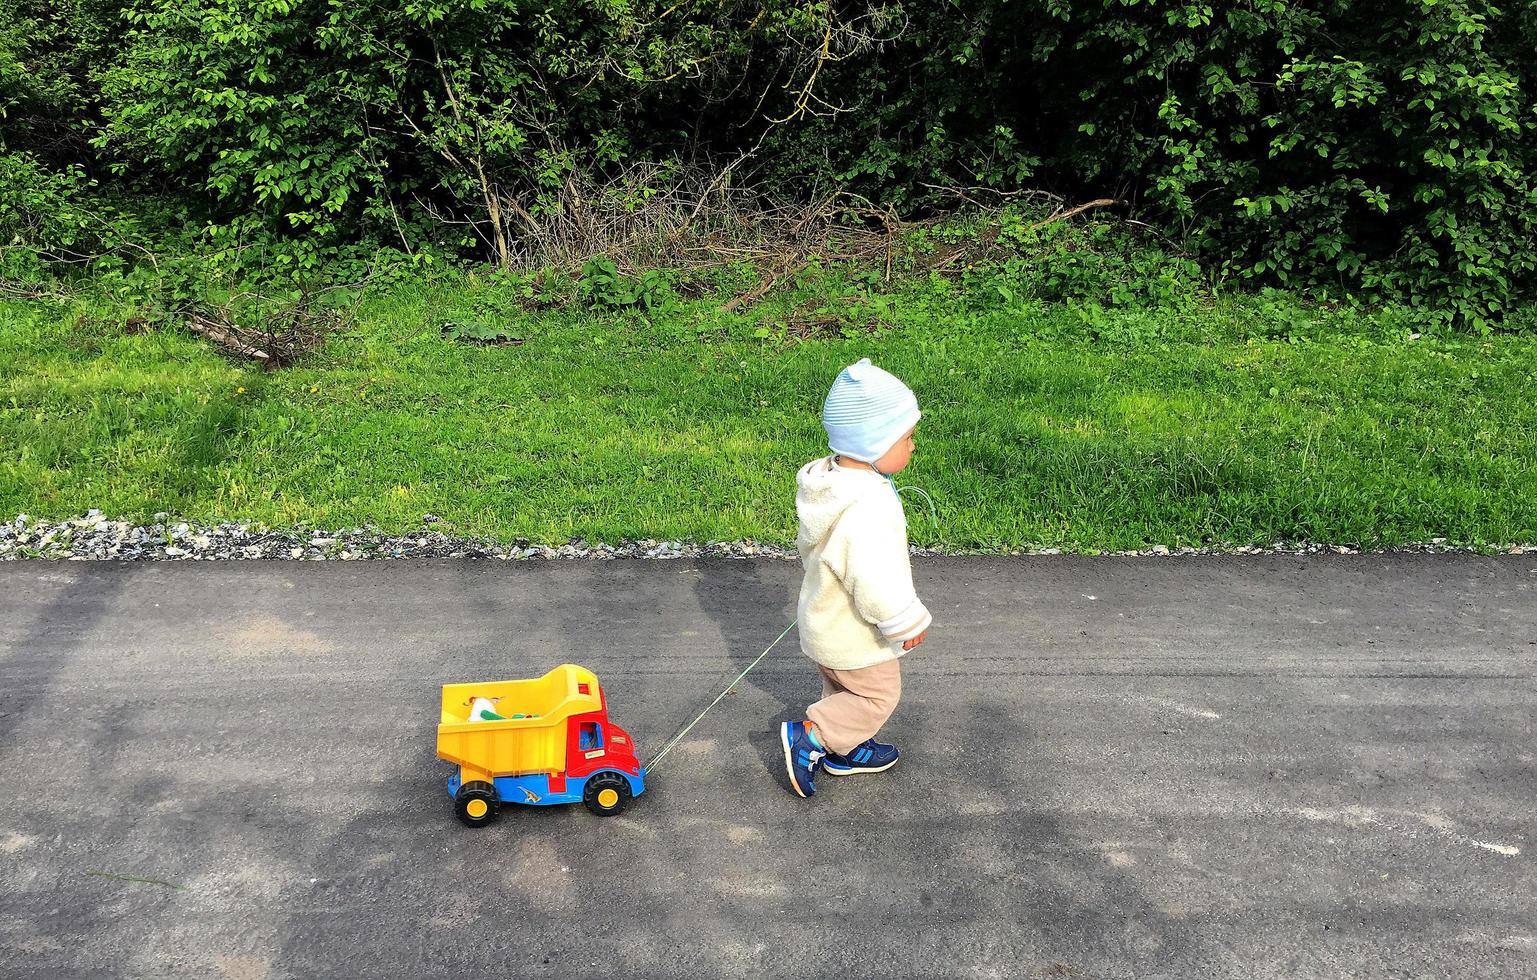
[(867, 411)]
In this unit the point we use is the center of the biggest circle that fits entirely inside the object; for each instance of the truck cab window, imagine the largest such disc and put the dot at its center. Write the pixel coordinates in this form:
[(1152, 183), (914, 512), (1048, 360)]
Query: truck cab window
[(591, 736)]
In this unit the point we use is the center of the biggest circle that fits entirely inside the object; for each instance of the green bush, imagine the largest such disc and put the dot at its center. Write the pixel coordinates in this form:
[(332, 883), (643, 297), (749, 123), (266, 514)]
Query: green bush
[(1374, 150), (1364, 151)]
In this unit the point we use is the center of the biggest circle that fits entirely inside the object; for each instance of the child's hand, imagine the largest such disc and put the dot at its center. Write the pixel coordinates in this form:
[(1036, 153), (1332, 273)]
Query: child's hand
[(913, 643)]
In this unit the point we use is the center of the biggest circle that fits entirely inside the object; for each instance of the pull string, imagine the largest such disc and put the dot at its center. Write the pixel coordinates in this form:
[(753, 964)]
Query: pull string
[(656, 759), (933, 511)]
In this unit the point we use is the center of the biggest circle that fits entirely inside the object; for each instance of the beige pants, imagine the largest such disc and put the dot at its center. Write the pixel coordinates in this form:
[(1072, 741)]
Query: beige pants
[(855, 704)]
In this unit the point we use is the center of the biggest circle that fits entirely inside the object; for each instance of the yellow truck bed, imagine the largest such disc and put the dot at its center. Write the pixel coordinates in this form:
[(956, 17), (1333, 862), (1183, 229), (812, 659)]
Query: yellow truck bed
[(516, 746)]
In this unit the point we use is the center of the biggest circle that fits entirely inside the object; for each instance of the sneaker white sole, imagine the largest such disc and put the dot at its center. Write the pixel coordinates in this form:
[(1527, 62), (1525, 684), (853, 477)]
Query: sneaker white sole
[(855, 772), (784, 741)]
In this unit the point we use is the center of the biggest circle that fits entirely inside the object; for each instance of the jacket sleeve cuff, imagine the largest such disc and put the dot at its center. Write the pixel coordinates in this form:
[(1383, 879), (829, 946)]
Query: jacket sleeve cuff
[(906, 624)]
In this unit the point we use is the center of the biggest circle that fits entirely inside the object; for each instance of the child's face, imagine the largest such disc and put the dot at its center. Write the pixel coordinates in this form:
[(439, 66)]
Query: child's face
[(898, 456)]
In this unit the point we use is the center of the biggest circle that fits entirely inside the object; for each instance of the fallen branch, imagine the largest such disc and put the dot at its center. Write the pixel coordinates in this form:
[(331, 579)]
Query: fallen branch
[(759, 291), (225, 337), (1103, 202)]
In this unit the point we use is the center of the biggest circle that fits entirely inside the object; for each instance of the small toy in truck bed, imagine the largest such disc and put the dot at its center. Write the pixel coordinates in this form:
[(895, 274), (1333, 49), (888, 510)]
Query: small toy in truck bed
[(562, 750)]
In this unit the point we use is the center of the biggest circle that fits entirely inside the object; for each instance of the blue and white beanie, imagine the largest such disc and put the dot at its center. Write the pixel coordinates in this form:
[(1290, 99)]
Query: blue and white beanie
[(867, 411)]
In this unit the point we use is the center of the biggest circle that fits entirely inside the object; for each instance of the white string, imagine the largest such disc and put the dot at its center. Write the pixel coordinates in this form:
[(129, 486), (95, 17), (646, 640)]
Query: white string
[(933, 511), (651, 766)]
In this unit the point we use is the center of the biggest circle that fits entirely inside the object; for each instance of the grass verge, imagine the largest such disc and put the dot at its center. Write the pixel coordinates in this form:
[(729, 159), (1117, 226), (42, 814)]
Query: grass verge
[(1243, 420)]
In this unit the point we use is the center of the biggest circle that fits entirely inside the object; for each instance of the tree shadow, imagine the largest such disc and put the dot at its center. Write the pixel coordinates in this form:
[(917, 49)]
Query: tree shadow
[(58, 631)]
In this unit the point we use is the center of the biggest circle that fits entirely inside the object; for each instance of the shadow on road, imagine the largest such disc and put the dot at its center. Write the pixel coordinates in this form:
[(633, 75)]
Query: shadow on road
[(61, 626), (750, 613)]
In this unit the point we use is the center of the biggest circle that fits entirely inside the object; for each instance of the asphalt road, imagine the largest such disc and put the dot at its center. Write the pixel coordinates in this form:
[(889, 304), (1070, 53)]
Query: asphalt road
[(1270, 766)]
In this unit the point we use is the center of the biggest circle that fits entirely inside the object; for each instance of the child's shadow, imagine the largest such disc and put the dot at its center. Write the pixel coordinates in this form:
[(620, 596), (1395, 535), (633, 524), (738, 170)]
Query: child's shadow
[(747, 601)]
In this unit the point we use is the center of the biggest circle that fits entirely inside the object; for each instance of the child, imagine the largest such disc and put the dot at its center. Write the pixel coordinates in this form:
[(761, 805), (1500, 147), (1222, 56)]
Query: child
[(858, 612)]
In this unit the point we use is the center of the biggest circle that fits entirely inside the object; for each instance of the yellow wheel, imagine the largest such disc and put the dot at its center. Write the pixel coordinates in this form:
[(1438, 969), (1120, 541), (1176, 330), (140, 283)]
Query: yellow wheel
[(607, 793), (476, 803)]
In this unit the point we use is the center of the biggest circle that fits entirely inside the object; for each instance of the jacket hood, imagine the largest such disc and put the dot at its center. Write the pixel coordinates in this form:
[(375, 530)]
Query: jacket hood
[(824, 491)]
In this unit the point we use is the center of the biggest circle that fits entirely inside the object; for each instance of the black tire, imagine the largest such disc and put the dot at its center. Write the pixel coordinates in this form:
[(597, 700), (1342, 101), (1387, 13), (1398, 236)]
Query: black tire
[(607, 804), (476, 804)]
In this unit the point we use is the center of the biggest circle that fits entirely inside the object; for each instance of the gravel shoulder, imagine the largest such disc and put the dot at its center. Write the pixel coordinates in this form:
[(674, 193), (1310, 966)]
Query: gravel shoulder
[(94, 536)]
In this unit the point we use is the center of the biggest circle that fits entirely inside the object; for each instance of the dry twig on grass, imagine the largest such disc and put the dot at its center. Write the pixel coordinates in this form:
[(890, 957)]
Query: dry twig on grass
[(229, 337), (281, 336)]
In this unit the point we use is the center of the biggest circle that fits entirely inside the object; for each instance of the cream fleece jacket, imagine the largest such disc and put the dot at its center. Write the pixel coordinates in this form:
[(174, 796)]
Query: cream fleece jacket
[(857, 603)]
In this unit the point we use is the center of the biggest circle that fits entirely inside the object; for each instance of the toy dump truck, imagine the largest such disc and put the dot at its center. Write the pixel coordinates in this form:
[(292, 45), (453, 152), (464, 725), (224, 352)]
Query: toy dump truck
[(553, 743)]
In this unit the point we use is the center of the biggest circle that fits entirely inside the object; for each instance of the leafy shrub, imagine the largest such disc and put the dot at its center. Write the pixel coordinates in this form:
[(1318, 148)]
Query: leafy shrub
[(479, 332), (603, 286), (38, 212), (1386, 150), (1021, 256), (1383, 151)]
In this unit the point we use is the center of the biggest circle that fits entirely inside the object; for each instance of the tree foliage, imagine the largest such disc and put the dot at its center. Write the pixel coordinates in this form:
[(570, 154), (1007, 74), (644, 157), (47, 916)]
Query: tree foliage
[(1384, 150)]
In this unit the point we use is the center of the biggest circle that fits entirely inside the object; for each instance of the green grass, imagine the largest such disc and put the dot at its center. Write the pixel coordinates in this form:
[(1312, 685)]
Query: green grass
[(1044, 425)]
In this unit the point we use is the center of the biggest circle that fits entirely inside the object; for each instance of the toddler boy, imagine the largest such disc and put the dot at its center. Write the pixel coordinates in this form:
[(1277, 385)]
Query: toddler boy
[(858, 612)]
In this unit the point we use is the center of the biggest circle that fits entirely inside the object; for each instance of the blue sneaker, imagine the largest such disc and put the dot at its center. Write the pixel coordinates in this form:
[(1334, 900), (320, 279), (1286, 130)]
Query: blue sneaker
[(870, 756), (802, 757)]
